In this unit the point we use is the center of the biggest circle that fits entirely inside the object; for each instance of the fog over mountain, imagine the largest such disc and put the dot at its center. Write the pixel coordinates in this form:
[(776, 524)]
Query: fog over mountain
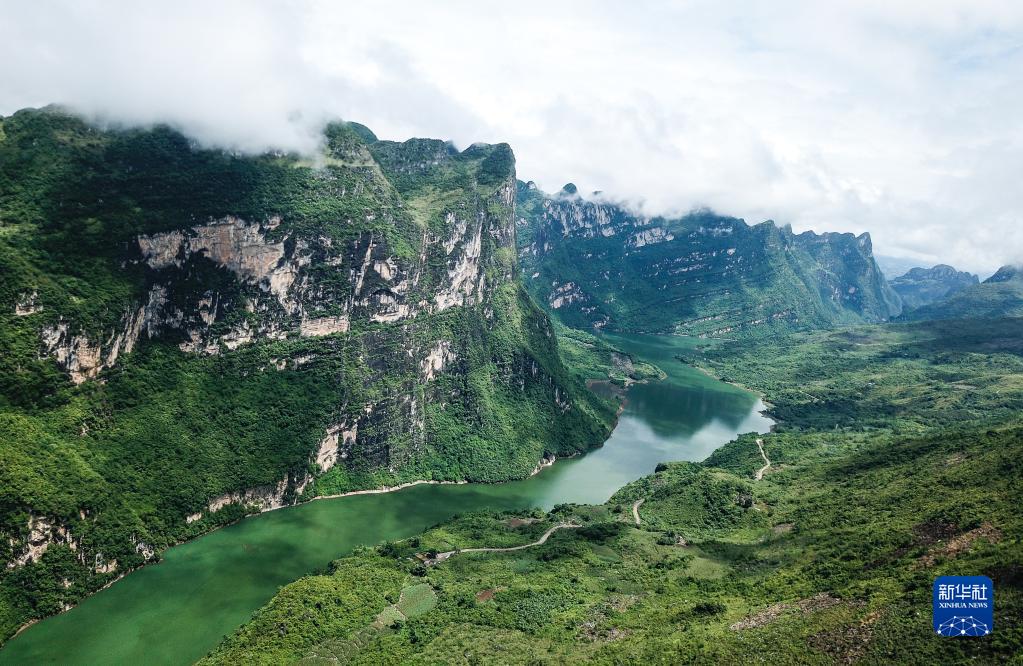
[(901, 119)]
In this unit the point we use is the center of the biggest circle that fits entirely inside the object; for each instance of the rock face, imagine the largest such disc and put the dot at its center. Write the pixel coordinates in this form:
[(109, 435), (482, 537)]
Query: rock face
[(920, 286), (598, 265), (192, 335)]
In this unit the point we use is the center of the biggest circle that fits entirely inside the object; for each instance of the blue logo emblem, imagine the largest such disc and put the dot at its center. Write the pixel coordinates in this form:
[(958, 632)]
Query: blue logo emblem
[(964, 606)]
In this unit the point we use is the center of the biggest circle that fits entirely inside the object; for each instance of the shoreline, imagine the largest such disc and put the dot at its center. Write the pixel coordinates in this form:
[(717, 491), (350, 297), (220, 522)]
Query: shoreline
[(543, 464), (766, 412)]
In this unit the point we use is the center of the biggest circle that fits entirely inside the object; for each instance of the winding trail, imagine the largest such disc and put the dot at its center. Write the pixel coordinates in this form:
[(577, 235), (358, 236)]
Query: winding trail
[(543, 539), (767, 463), (635, 510)]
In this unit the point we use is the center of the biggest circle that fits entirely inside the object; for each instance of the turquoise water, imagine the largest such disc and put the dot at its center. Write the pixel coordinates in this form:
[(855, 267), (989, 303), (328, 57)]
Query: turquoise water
[(178, 610)]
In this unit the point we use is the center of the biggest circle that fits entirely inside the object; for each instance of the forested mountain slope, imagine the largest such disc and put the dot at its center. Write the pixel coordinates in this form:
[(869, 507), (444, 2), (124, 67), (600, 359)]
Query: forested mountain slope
[(1001, 295), (188, 334), (921, 286), (597, 265), (897, 459)]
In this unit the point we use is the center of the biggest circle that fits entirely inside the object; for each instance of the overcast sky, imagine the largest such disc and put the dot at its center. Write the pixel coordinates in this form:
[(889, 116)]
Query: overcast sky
[(904, 119)]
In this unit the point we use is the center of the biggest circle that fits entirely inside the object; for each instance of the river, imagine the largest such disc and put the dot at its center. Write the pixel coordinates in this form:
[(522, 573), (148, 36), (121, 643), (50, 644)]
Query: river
[(178, 610)]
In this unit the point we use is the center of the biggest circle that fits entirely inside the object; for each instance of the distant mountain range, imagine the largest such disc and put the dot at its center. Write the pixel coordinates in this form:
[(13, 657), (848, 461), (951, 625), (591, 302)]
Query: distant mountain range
[(1001, 295), (895, 266), (921, 286), (596, 264)]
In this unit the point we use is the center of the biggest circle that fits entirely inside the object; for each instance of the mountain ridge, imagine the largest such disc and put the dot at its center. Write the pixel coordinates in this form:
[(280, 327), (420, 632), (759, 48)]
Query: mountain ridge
[(700, 274), (1001, 295), (921, 286)]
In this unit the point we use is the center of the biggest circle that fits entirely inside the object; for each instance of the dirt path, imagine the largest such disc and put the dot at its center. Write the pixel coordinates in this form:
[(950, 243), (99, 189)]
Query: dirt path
[(635, 510), (543, 539), (767, 463)]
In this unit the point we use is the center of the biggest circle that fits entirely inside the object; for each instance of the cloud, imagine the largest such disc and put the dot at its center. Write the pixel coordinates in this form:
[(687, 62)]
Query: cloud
[(898, 118)]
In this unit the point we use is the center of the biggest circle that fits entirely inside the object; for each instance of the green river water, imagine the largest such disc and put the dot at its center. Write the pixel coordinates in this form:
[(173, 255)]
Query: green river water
[(176, 611)]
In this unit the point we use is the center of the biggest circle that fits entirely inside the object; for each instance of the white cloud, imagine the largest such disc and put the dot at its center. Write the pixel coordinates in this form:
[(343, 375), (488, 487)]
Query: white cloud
[(898, 118)]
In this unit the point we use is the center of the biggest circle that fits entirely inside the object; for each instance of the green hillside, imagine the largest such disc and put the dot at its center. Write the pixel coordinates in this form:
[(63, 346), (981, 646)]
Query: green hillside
[(1001, 295), (188, 335), (595, 264), (896, 459)]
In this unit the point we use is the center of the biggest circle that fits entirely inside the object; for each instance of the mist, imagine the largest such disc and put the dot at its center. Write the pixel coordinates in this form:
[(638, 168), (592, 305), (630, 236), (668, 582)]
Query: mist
[(900, 119)]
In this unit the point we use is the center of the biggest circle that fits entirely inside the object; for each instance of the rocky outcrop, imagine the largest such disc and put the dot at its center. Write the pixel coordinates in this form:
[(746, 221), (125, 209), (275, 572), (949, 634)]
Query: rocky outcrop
[(438, 358), (259, 498), (564, 294), (42, 533), (318, 326), (28, 305), (652, 236), (336, 445), (84, 357), (280, 284)]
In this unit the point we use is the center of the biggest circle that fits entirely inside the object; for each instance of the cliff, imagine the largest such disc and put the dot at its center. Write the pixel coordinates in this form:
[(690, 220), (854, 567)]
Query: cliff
[(189, 335), (598, 265)]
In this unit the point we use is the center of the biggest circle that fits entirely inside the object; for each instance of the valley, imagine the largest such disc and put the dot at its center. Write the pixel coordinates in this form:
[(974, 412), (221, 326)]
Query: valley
[(176, 611), (389, 403), (895, 459)]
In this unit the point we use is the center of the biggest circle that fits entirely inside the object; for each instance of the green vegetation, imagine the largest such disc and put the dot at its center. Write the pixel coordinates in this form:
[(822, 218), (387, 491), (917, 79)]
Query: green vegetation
[(896, 459), (98, 478), (1001, 295), (597, 265)]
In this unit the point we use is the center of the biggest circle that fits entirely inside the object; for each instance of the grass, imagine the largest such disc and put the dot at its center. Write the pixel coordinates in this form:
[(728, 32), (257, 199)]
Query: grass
[(417, 600)]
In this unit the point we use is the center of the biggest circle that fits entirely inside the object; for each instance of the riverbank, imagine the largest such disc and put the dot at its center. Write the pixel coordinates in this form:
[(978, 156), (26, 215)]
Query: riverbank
[(543, 464), (204, 588)]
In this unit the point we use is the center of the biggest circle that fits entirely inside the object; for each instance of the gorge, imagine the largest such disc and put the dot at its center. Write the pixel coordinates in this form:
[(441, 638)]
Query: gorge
[(208, 355), (177, 610)]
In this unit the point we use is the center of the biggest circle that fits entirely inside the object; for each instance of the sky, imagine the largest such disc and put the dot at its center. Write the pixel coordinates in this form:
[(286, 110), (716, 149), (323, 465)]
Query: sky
[(900, 118)]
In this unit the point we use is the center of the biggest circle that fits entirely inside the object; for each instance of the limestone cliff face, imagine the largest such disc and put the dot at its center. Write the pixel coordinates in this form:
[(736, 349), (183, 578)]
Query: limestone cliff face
[(281, 281), (597, 265), (205, 335), (285, 282)]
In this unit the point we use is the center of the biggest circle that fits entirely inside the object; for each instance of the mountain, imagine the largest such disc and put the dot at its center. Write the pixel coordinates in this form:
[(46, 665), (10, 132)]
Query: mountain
[(920, 286), (188, 335), (1008, 273), (598, 265), (1001, 295)]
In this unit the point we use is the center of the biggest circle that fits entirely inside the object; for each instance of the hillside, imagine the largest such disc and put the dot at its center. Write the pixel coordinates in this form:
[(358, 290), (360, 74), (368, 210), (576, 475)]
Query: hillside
[(188, 335), (896, 460), (595, 264), (921, 286), (1001, 295)]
